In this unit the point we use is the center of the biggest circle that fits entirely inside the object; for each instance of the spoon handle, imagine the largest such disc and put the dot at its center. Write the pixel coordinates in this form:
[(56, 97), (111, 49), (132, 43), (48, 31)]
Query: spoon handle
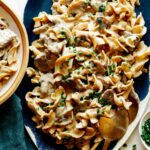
[(106, 144)]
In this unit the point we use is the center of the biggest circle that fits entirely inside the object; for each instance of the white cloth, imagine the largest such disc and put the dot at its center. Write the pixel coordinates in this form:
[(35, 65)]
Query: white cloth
[(18, 6)]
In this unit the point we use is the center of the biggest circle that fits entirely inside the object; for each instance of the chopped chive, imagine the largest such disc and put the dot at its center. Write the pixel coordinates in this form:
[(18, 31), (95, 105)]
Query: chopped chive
[(81, 98), (102, 8), (134, 147), (63, 33), (89, 55)]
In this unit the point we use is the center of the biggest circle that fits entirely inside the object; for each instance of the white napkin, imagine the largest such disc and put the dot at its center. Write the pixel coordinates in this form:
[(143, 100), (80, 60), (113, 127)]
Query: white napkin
[(18, 6)]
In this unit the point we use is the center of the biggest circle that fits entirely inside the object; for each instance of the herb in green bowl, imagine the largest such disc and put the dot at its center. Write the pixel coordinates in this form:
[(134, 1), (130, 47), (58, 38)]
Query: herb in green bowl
[(146, 132)]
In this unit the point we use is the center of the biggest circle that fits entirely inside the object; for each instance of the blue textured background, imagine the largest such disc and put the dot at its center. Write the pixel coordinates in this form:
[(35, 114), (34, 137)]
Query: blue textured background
[(33, 7)]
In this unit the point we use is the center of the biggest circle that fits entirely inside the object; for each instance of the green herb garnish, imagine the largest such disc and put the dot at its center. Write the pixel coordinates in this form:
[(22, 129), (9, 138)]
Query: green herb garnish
[(38, 108), (134, 147), (68, 40), (65, 78), (62, 99), (101, 26), (89, 55), (146, 132), (103, 102), (75, 51), (67, 60), (102, 8), (63, 33), (69, 70), (111, 69), (51, 103), (94, 94), (100, 22), (75, 39), (81, 98), (99, 112), (80, 53)]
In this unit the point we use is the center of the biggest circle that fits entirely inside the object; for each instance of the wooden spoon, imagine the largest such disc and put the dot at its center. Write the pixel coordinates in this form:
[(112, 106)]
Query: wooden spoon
[(113, 128), (133, 110)]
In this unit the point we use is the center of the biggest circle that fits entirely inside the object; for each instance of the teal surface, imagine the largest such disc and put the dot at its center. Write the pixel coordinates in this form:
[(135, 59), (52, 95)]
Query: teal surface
[(12, 133)]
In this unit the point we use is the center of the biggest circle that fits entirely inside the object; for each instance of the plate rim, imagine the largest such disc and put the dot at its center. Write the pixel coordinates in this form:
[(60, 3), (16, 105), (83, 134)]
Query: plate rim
[(25, 44)]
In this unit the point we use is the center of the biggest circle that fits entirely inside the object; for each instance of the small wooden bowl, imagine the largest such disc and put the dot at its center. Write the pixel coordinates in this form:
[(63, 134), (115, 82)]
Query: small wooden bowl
[(23, 52)]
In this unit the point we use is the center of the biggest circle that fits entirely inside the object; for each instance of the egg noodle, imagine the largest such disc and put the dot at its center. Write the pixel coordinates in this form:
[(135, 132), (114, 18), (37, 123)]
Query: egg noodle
[(9, 44), (86, 57)]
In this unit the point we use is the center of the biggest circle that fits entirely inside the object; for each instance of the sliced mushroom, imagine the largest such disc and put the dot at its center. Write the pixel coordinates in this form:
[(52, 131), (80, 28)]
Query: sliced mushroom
[(45, 63)]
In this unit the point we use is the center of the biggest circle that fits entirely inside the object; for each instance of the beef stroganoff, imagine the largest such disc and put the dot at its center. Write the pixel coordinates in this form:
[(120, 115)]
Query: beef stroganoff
[(86, 58), (9, 44)]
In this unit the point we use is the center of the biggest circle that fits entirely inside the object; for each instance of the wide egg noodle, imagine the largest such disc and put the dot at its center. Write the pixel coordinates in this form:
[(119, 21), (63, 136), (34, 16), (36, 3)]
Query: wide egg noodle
[(9, 44), (86, 58)]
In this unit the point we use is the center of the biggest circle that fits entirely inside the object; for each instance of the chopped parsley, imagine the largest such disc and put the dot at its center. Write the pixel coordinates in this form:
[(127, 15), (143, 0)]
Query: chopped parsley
[(80, 53), (74, 50), (94, 94), (67, 60), (51, 103), (134, 147), (103, 102), (81, 98), (101, 26), (100, 22), (94, 52), (63, 33), (68, 40), (111, 69), (102, 8), (93, 65), (75, 39), (89, 55), (99, 112), (69, 70), (65, 77), (38, 108), (146, 132), (62, 99)]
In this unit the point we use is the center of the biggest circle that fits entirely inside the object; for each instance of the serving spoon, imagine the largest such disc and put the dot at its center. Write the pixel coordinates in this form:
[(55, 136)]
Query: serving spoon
[(133, 97), (113, 128)]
